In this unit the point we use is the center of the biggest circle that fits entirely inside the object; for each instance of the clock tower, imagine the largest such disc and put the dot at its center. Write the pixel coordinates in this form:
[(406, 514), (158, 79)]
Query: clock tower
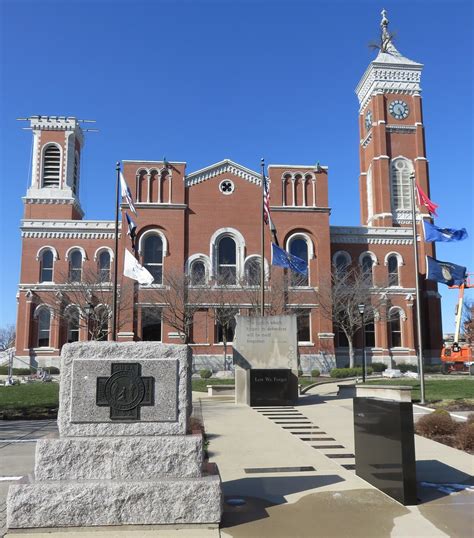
[(392, 143)]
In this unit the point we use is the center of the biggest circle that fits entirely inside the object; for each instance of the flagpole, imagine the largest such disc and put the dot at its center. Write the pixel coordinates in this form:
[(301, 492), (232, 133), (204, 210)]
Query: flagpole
[(114, 298), (421, 372), (262, 264)]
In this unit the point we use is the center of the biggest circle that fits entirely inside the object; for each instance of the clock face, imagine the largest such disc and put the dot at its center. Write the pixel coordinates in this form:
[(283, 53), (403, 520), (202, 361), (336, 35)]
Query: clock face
[(399, 109), (368, 120)]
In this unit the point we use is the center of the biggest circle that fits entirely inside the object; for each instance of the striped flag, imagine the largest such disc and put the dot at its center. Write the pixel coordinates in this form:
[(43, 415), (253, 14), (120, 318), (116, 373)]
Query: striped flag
[(125, 191), (266, 202), (424, 200)]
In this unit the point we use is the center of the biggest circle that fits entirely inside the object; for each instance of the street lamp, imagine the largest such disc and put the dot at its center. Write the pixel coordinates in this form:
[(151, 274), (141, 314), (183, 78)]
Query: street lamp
[(361, 308)]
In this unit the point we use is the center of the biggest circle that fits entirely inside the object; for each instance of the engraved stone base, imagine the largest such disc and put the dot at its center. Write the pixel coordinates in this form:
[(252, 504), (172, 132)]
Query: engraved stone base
[(125, 458), (100, 503)]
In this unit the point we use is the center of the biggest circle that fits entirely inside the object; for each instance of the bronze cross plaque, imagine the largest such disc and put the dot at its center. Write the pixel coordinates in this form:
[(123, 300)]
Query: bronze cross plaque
[(125, 391)]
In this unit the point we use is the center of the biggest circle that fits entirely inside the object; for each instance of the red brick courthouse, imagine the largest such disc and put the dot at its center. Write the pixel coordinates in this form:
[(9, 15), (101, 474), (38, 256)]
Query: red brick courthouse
[(208, 222)]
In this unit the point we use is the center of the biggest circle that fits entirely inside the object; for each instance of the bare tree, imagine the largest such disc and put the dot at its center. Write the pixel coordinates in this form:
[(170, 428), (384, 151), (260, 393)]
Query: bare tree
[(87, 303), (350, 287), (467, 323), (7, 337), (180, 301)]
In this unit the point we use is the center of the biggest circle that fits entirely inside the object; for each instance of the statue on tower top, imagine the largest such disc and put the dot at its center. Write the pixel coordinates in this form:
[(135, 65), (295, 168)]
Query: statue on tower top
[(386, 37)]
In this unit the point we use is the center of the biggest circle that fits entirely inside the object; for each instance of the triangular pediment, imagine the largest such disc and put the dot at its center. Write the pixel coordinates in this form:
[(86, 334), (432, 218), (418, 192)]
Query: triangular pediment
[(223, 167)]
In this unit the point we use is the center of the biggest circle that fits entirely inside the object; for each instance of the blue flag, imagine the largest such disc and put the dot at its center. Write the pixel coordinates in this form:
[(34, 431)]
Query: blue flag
[(132, 230), (445, 272), (281, 258), (435, 233)]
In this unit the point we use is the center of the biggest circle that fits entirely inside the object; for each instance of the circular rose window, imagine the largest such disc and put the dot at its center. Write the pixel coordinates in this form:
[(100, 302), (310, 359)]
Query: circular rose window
[(226, 186)]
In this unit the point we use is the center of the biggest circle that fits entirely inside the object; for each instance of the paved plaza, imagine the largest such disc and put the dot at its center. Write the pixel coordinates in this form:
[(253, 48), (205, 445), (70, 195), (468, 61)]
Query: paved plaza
[(288, 472)]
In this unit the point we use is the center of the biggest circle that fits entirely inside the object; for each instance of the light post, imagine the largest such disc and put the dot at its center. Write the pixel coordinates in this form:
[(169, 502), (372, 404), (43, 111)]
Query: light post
[(361, 312), (89, 310)]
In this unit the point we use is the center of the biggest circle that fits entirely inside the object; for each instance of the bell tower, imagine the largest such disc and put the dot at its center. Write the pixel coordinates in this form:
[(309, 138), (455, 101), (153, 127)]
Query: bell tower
[(55, 169), (392, 142)]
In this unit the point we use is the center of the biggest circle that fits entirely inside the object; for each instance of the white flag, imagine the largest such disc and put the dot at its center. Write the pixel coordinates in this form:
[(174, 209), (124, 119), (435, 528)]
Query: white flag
[(125, 192), (135, 271)]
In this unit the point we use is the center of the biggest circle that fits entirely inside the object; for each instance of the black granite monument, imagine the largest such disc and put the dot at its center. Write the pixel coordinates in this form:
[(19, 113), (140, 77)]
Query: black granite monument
[(385, 446), (271, 387)]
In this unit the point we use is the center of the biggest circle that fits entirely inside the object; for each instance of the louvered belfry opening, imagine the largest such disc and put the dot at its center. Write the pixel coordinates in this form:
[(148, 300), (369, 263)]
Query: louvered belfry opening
[(51, 166)]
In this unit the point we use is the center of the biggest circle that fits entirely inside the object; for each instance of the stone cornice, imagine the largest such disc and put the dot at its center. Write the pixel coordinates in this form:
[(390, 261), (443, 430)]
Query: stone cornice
[(299, 209), (388, 78), (54, 201), (371, 235), (68, 229), (223, 167), (150, 205)]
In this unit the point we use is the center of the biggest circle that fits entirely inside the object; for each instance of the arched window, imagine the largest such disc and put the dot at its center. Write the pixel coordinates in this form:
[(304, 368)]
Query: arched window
[(341, 262), (46, 266), (400, 183), (299, 247), (51, 166), (75, 181), (198, 273), (75, 266), (103, 266), (226, 261), (72, 325), (253, 271), (153, 257), (393, 276), (395, 329), (44, 326), (367, 264)]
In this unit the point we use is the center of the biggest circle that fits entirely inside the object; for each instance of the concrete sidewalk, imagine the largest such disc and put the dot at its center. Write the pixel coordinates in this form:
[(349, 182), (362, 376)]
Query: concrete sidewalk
[(331, 500)]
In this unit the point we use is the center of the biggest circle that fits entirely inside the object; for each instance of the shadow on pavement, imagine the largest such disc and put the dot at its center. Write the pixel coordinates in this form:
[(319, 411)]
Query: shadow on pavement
[(436, 472)]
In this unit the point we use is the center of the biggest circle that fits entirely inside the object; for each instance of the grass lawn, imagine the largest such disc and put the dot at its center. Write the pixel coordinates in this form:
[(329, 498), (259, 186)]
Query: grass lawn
[(436, 390), (29, 401)]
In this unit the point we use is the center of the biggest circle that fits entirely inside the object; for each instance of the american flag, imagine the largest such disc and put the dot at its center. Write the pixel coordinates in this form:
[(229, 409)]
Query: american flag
[(266, 201)]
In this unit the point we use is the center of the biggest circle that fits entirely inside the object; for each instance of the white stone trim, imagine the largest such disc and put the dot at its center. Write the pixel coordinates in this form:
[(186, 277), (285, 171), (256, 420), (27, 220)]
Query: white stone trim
[(70, 250), (100, 249), (309, 243), (403, 316), (397, 255), (61, 166), (346, 255), (202, 258), (153, 231), (265, 264), (42, 306), (225, 166), (240, 250), (68, 229), (374, 235), (368, 253), (47, 247), (309, 167)]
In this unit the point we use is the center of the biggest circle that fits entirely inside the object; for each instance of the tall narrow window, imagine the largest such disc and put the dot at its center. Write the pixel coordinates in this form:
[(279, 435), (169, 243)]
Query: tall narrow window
[(75, 266), (370, 334), (401, 184), (153, 257), (225, 325), (341, 338), (226, 261), (104, 266), (51, 166), (303, 327), (253, 272), (44, 327), (393, 276), (75, 180), (299, 248), (341, 263), (395, 330), (198, 273), (367, 269), (73, 325), (46, 266), (151, 324)]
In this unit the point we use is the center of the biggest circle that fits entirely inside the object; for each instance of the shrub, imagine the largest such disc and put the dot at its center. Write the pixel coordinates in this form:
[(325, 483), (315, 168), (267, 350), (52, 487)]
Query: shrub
[(52, 370), (403, 367), (315, 373), (378, 367), (465, 437), (432, 368), (438, 423), (470, 418), (205, 373), (21, 371), (339, 373)]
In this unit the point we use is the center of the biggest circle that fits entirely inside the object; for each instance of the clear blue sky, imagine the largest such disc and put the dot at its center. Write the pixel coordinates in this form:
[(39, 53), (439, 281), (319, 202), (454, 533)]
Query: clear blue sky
[(200, 81)]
